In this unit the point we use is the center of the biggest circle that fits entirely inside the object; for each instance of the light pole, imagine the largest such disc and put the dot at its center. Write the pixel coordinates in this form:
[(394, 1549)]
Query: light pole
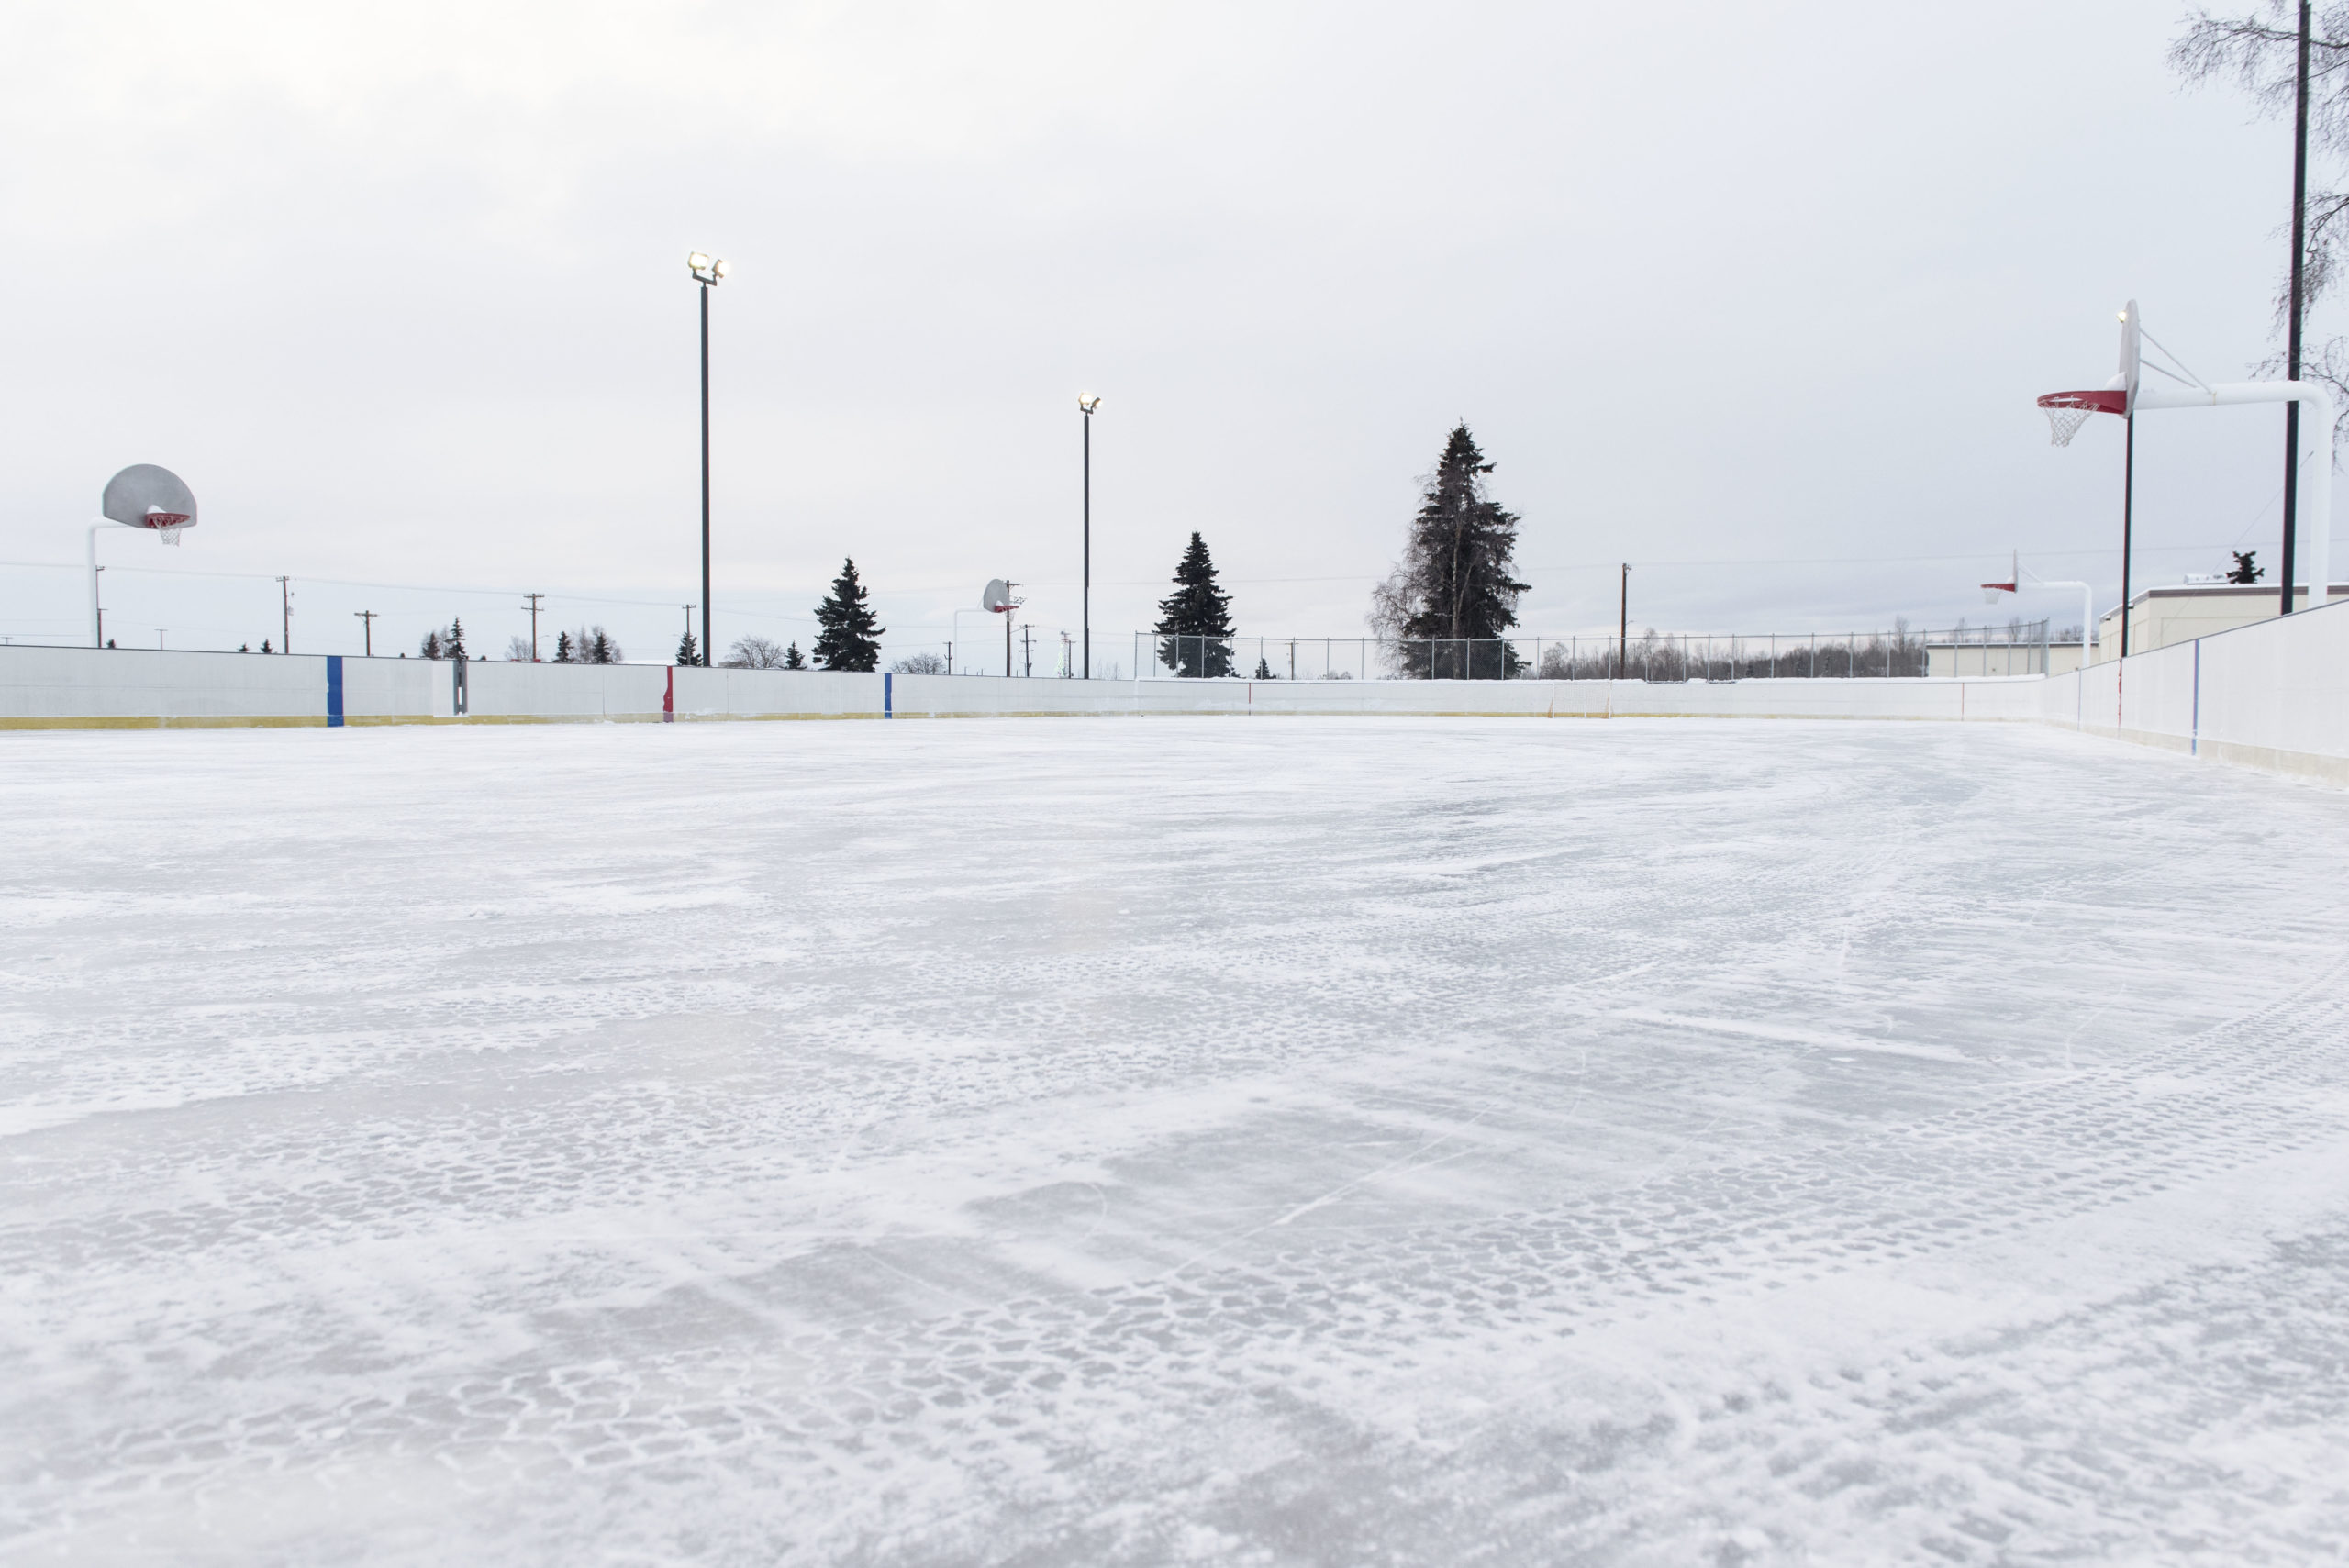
[(1086, 403), (286, 608), (706, 270), (2317, 591)]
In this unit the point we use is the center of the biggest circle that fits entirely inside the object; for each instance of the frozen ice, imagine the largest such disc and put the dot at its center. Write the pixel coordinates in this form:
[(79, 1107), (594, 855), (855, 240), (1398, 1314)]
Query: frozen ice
[(1088, 1141)]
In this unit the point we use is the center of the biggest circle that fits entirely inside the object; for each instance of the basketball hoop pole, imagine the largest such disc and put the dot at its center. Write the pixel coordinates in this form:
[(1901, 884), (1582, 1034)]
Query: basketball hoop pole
[(2128, 509), (97, 627), (2313, 479)]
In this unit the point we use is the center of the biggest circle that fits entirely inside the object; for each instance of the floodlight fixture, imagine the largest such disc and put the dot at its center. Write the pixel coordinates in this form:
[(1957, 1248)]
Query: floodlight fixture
[(706, 268), (1087, 402)]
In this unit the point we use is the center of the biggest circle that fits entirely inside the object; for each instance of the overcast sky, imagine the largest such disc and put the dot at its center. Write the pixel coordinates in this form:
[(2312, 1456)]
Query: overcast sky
[(1753, 296)]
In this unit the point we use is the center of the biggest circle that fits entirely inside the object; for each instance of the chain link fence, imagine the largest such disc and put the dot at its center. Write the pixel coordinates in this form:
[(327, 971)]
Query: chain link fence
[(1896, 654)]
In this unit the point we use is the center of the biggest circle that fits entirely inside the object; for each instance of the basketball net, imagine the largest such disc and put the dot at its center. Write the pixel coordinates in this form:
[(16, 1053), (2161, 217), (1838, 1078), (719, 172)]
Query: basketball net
[(2063, 423), (167, 525)]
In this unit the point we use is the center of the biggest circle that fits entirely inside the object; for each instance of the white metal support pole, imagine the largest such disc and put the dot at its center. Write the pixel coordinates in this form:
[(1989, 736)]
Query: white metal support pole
[(2314, 490)]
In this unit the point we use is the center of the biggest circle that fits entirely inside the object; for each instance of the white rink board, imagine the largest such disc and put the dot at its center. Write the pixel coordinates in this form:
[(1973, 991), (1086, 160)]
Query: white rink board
[(1346, 1141)]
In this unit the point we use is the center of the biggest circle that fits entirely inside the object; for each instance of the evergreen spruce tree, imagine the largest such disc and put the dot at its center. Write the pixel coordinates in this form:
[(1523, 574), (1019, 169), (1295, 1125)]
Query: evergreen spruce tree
[(1264, 670), (685, 649), (601, 649), (847, 640), (1194, 620), (564, 653), (431, 649), (793, 659), (2247, 568), (453, 646), (1451, 598)]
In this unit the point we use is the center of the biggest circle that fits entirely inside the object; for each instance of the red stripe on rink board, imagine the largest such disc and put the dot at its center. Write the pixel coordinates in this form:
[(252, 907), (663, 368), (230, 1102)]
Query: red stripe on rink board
[(669, 698)]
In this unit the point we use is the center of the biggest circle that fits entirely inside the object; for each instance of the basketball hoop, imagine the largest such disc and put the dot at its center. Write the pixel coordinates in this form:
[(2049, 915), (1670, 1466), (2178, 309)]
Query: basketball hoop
[(2067, 411), (1990, 591), (145, 496)]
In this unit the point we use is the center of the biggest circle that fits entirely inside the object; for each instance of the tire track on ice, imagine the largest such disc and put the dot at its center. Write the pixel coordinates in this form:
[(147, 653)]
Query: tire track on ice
[(990, 1405)]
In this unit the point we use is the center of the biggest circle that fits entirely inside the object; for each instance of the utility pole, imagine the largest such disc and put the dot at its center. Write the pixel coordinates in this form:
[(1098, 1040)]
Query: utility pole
[(1623, 626), (534, 600), (286, 608), (1007, 585), (368, 627), (1027, 650), (689, 633), (2292, 343)]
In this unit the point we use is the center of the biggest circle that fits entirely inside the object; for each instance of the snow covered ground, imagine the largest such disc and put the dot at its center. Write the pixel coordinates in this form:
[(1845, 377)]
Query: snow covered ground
[(1134, 1141)]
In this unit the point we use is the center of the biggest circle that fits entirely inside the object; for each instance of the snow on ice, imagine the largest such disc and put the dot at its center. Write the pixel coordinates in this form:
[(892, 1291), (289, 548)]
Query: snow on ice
[(1107, 1142)]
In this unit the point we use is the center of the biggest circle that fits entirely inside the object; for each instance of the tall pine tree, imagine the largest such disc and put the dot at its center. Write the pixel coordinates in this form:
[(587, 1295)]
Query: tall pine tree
[(848, 638), (1194, 620), (686, 654), (1451, 599)]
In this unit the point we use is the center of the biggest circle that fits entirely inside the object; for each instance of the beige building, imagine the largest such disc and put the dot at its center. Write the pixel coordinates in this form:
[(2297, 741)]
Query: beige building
[(1970, 658), (2159, 616)]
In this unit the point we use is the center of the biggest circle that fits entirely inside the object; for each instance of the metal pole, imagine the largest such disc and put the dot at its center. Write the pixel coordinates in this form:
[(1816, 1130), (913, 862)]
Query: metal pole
[(705, 470), (1623, 626), (2128, 503), (367, 631), (97, 617), (1088, 544), (534, 600), (2292, 339), (285, 608)]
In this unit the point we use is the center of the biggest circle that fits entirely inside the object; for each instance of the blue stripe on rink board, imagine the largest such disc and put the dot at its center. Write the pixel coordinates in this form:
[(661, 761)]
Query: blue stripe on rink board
[(888, 697), (334, 691)]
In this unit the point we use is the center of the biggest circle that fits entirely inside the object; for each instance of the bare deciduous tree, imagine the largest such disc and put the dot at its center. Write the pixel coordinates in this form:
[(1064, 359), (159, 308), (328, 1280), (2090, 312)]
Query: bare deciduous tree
[(753, 653), (2260, 51)]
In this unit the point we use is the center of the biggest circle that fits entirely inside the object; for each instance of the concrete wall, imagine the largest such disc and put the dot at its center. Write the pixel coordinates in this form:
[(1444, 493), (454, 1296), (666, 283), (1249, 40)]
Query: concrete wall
[(2271, 694), (136, 688), (54, 687)]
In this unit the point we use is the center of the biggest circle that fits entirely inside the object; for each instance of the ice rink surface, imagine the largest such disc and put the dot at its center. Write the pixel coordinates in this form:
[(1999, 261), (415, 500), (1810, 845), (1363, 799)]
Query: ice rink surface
[(1133, 1142)]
